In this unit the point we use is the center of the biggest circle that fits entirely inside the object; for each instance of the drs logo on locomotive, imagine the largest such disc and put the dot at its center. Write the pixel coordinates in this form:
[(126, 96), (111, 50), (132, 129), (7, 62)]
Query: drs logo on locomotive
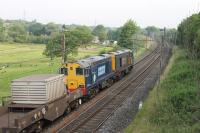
[(101, 70)]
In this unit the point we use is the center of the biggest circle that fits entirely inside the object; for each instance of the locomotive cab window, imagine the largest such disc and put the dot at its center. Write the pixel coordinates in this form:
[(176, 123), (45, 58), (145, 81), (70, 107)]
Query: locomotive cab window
[(79, 71), (64, 71), (86, 73), (120, 62)]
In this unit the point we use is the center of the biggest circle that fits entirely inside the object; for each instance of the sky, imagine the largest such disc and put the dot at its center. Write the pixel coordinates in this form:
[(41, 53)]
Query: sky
[(112, 13)]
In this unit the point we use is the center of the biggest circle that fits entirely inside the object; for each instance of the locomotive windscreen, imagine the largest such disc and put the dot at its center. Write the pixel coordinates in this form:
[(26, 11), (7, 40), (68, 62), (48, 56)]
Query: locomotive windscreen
[(64, 71)]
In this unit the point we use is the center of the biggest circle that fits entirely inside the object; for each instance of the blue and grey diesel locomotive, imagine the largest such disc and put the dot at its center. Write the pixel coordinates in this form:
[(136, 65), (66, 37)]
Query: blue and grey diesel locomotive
[(94, 73)]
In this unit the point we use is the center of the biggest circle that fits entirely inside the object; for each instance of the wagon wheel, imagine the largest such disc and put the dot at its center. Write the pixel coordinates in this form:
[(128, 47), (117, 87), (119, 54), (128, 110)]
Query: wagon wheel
[(68, 110), (80, 101)]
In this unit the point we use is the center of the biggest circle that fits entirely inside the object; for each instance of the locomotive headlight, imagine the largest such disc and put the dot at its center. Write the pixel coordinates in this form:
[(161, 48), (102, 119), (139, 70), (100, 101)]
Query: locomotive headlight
[(35, 116), (43, 111), (39, 114), (81, 86)]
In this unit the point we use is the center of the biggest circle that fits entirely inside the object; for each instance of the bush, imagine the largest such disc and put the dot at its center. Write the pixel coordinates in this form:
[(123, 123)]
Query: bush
[(103, 51), (43, 39), (180, 111)]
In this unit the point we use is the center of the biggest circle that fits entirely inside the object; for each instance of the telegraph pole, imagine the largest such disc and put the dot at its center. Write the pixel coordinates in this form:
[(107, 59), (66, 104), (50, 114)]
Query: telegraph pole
[(63, 45), (162, 45), (133, 51), (146, 42), (161, 61)]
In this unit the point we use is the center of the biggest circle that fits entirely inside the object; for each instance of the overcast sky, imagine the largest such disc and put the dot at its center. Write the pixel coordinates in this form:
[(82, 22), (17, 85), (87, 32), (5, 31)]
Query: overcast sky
[(112, 13)]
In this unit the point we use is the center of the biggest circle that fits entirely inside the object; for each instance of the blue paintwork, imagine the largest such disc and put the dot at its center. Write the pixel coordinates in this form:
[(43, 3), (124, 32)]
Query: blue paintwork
[(93, 79), (100, 68)]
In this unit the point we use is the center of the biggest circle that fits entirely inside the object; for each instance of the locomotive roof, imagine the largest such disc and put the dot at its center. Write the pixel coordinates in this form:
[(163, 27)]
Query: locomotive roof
[(89, 61), (121, 51)]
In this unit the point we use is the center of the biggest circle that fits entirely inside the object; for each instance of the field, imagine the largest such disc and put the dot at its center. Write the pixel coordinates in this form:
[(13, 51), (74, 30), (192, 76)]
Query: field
[(173, 105), (18, 60)]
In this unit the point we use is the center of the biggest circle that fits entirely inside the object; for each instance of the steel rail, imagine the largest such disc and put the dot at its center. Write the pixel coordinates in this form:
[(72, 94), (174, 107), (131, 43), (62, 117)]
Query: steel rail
[(70, 118), (128, 83), (111, 109)]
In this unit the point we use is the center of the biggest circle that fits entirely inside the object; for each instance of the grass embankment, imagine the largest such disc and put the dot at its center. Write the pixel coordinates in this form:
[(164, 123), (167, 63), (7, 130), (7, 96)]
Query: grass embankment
[(172, 106), (18, 60)]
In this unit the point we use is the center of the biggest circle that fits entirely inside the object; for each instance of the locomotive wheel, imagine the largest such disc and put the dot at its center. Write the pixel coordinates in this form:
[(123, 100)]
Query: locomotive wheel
[(77, 104), (110, 82), (91, 93), (97, 91), (80, 101), (85, 99)]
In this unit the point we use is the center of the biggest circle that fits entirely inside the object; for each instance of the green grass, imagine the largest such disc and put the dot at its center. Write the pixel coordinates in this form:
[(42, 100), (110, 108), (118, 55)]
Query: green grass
[(18, 60), (173, 106)]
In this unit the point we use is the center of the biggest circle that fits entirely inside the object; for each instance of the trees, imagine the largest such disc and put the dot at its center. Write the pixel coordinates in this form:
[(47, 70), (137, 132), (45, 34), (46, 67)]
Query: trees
[(36, 29), (54, 49), (127, 31), (171, 35), (73, 37), (2, 30), (189, 33), (113, 34), (39, 33), (151, 30), (17, 32), (50, 28), (101, 32), (71, 41), (83, 33)]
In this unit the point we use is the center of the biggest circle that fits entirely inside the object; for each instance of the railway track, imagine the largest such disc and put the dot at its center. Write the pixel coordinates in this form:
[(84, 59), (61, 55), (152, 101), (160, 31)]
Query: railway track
[(109, 99), (93, 118), (92, 115)]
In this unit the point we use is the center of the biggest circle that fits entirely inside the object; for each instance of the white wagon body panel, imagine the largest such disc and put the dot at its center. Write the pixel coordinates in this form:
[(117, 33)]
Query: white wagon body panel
[(38, 89)]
